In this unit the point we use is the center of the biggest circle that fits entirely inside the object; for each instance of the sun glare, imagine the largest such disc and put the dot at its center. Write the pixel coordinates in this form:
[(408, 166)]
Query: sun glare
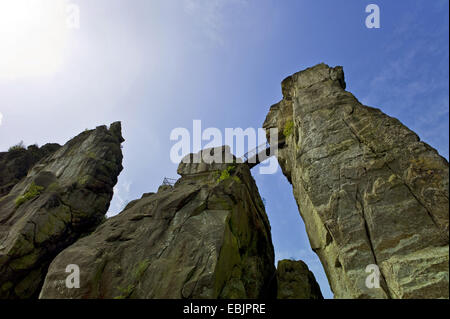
[(33, 34)]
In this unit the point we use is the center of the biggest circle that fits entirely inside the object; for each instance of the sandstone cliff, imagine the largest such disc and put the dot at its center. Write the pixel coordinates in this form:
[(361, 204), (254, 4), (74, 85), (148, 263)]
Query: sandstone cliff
[(15, 164), (369, 191), (295, 281), (61, 197), (208, 236)]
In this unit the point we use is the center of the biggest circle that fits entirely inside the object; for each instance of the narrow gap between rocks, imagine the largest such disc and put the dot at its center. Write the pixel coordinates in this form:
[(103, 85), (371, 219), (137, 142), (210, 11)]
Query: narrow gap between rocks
[(289, 236)]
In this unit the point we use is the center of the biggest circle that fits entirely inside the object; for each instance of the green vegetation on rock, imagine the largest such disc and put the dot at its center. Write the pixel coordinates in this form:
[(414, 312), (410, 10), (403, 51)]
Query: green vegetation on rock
[(17, 147), (236, 179), (226, 173), (33, 191), (91, 155), (125, 292), (138, 272), (141, 268), (288, 128)]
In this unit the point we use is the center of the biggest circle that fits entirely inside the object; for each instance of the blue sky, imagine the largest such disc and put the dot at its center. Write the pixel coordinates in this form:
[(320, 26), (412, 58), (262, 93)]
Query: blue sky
[(158, 65)]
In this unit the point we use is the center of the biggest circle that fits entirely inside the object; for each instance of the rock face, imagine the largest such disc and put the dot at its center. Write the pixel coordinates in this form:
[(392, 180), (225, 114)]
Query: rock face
[(15, 164), (206, 237), (295, 281), (369, 191), (63, 196)]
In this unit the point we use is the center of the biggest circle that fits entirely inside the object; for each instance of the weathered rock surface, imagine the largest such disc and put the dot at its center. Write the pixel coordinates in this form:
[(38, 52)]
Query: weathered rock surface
[(63, 196), (15, 164), (295, 281), (369, 191), (206, 237)]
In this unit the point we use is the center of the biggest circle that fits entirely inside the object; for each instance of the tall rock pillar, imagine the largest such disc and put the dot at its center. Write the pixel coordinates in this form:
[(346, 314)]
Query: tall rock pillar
[(369, 191)]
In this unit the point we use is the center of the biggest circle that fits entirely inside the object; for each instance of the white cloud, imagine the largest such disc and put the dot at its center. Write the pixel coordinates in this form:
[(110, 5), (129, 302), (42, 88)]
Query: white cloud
[(1, 118)]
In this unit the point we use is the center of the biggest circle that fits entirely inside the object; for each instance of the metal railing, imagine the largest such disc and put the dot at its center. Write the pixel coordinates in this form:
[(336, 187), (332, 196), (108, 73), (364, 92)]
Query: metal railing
[(169, 181), (254, 152)]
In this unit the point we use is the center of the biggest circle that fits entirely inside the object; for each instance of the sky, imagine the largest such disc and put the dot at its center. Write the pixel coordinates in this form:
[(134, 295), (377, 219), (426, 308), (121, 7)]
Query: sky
[(159, 65)]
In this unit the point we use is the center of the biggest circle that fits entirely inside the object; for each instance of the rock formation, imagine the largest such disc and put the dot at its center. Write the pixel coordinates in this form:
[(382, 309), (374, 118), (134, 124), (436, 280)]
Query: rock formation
[(369, 191), (372, 195), (63, 196), (208, 236), (15, 164), (295, 281)]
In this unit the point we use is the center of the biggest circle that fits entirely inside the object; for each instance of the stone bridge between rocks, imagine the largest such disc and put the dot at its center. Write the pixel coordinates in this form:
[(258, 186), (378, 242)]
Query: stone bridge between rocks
[(258, 154), (251, 158)]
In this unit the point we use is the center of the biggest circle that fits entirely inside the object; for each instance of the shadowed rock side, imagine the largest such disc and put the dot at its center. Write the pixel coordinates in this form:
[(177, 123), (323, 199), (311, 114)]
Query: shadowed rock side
[(206, 237), (15, 164), (295, 281), (369, 191), (63, 196)]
